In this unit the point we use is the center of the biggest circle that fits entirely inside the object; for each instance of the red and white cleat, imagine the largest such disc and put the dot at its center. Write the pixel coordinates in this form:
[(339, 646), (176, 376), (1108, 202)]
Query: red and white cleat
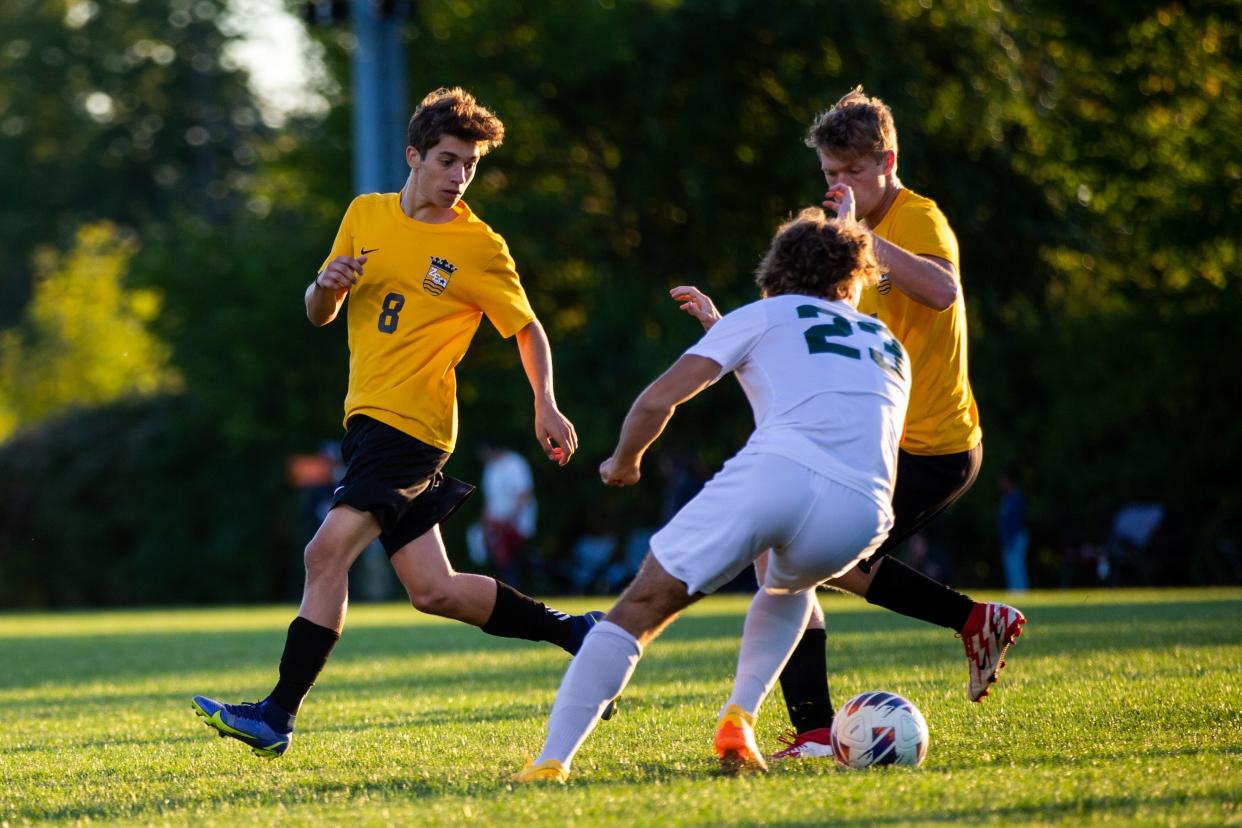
[(989, 631), (813, 744)]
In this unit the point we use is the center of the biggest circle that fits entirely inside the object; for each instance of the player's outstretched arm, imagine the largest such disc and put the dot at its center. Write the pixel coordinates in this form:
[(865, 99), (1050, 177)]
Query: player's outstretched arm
[(553, 430), (651, 412), (696, 303), (327, 293)]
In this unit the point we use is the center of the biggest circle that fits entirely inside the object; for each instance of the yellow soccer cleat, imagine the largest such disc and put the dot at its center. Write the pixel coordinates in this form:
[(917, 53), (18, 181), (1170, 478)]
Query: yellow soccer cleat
[(735, 743), (549, 770)]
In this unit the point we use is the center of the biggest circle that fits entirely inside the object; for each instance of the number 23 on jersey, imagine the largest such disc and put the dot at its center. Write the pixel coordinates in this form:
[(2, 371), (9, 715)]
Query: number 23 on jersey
[(830, 339)]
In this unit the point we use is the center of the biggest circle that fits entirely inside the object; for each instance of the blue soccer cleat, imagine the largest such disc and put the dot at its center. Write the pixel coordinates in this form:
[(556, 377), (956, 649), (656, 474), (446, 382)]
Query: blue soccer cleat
[(243, 722), (583, 625), (580, 625)]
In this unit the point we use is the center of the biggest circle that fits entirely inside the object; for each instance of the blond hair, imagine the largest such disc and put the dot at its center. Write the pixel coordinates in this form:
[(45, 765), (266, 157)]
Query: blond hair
[(854, 126)]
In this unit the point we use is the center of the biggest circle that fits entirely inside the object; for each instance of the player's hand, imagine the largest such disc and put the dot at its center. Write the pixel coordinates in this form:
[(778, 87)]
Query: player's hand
[(341, 273), (616, 473), (839, 200), (555, 433), (696, 303)]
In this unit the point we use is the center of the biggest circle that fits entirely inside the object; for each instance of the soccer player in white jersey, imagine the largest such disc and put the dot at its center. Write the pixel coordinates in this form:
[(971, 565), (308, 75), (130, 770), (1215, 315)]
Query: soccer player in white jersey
[(814, 482)]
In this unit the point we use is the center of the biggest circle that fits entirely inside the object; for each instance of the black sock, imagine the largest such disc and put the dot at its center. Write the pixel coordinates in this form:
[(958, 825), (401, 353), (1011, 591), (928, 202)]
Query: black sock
[(307, 647), (520, 616), (804, 681), (901, 589)]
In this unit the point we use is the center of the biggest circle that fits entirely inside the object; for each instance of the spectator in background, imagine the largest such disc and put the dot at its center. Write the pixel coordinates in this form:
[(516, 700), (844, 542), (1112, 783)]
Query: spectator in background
[(682, 481), (594, 548), (1011, 520), (509, 510), (314, 476)]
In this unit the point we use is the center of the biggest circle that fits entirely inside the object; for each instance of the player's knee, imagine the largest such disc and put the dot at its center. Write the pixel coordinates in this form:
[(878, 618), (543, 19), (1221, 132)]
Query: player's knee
[(434, 600), (320, 559)]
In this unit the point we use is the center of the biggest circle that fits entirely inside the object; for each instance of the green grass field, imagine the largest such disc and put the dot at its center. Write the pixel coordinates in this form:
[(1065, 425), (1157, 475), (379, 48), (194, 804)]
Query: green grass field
[(1120, 707)]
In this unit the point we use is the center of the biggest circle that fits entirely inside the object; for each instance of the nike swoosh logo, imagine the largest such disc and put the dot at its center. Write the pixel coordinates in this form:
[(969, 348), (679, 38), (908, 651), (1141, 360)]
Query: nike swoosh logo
[(372, 250)]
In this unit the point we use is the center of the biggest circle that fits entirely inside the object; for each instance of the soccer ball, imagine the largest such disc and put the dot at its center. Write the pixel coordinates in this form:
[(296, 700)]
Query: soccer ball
[(879, 728)]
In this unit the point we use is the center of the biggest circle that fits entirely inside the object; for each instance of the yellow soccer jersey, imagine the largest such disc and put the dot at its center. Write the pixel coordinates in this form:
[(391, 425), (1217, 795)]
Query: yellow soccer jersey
[(423, 291), (942, 417)]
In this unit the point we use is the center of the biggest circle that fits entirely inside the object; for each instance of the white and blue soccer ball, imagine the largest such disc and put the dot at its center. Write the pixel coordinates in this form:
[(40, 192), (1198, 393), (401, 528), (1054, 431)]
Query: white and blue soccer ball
[(879, 728)]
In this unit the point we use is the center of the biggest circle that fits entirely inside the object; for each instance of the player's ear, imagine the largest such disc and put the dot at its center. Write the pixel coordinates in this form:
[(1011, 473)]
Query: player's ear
[(413, 158), (889, 162)]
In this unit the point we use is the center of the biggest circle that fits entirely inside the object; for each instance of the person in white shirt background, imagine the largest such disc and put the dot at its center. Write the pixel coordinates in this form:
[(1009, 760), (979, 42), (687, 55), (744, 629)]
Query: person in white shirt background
[(509, 511)]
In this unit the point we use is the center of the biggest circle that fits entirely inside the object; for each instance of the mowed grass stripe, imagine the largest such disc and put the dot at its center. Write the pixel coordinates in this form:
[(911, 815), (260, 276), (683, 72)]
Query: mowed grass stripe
[(1119, 707)]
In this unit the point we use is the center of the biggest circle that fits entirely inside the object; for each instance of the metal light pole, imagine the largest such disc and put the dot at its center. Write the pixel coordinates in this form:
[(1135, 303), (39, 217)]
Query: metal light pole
[(380, 108)]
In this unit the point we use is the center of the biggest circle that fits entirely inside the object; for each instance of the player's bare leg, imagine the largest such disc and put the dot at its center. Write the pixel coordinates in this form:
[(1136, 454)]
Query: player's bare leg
[(434, 587), (342, 537), (856, 580), (604, 665), (650, 602)]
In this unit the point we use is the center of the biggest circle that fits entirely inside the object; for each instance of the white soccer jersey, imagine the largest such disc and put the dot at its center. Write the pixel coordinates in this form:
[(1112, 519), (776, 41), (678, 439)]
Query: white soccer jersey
[(828, 386)]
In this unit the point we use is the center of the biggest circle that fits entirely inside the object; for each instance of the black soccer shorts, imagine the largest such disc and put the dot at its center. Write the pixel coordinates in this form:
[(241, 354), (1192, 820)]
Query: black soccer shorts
[(398, 480), (926, 486)]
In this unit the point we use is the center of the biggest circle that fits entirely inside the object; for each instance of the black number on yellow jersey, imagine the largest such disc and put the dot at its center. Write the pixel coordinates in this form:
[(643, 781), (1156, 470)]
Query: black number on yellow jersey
[(393, 303), (818, 336)]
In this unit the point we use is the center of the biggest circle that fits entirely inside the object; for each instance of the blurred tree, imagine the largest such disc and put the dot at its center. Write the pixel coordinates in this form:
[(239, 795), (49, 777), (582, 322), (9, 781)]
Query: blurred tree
[(124, 110), (236, 324), (657, 142), (1083, 152), (139, 502), (1096, 365), (85, 340)]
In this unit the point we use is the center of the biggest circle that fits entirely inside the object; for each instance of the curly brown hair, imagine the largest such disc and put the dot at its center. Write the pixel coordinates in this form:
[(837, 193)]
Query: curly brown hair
[(813, 255), (853, 127), (453, 112)]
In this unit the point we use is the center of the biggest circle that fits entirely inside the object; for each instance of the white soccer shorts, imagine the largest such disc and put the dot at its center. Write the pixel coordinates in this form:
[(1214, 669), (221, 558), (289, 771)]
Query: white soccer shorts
[(816, 527)]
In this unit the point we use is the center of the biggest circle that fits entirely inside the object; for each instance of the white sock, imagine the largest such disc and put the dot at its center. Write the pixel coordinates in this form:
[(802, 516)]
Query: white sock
[(774, 623), (596, 676)]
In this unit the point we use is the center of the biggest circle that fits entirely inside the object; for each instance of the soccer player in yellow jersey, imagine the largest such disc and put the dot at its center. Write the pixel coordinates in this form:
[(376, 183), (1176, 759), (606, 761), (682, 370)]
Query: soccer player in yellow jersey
[(919, 297), (419, 270)]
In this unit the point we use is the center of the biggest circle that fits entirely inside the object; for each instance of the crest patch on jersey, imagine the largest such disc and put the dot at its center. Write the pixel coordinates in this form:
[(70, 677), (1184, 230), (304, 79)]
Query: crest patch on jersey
[(438, 275), (884, 285)]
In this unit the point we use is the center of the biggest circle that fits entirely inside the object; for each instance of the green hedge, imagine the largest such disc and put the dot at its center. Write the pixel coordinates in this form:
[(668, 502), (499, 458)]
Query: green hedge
[(140, 503)]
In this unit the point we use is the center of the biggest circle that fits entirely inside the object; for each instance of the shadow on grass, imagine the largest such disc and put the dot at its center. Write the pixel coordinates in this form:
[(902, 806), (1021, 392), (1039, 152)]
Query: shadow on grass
[(1068, 629), (236, 794), (1112, 806), (326, 792)]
